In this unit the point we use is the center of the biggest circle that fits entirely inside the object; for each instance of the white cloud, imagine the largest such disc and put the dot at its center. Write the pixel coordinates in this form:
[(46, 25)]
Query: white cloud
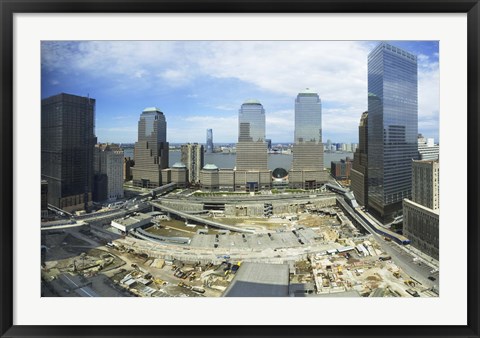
[(337, 70)]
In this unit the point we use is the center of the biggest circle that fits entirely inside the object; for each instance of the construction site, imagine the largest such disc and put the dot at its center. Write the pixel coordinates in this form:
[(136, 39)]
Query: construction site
[(314, 252)]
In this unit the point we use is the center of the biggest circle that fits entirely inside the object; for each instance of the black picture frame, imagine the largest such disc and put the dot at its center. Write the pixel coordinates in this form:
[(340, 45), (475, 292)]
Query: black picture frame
[(10, 7)]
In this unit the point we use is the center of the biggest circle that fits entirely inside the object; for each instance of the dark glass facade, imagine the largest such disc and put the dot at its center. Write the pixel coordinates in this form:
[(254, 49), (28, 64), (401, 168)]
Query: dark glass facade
[(359, 172), (67, 142), (392, 127)]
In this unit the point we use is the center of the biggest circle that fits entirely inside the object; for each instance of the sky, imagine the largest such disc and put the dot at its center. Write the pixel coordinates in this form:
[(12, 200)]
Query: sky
[(202, 84)]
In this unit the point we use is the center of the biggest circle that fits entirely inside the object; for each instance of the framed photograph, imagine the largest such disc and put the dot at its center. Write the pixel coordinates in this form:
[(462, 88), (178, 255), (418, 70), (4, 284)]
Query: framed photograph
[(257, 169)]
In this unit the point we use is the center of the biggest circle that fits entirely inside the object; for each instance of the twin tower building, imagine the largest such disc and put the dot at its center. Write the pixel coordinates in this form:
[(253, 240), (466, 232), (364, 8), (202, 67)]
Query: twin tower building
[(251, 172)]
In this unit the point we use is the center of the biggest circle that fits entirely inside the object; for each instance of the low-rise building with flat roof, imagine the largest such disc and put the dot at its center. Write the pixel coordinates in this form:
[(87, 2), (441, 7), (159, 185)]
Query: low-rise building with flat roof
[(130, 222), (260, 280)]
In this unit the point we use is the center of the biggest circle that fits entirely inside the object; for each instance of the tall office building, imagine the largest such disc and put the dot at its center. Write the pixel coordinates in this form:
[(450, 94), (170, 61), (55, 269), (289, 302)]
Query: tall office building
[(151, 149), (392, 128), (193, 158), (251, 146), (359, 173), (425, 176), (109, 160), (209, 143), (307, 166), (421, 213), (68, 140)]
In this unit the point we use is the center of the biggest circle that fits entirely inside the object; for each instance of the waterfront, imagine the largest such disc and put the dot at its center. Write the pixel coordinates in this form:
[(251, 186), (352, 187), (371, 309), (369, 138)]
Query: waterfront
[(222, 160)]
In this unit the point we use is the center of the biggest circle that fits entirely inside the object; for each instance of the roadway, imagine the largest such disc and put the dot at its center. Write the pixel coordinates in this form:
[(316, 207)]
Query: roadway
[(200, 219), (82, 290), (415, 267)]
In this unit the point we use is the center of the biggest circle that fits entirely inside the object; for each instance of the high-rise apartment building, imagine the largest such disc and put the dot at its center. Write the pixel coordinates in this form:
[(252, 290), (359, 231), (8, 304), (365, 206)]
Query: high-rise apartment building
[(67, 143), (251, 146), (151, 149), (193, 158), (359, 172), (209, 144), (109, 160), (307, 166), (392, 128)]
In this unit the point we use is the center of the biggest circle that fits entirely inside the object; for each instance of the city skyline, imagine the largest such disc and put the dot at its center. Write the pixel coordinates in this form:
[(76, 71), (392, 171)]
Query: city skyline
[(187, 224), (200, 85)]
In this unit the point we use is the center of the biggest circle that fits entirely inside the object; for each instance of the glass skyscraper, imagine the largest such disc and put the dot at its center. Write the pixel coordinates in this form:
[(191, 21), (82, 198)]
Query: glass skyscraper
[(251, 146), (151, 149), (251, 122), (209, 144), (308, 146), (307, 166), (359, 173), (392, 128), (308, 117)]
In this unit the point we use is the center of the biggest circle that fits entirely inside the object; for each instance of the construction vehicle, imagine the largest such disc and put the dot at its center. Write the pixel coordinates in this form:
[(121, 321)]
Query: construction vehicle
[(409, 282), (198, 289), (396, 274), (412, 293), (159, 281)]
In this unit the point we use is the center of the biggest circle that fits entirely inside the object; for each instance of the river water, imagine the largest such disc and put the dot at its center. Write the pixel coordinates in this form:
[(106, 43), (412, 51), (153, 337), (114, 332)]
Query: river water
[(222, 160)]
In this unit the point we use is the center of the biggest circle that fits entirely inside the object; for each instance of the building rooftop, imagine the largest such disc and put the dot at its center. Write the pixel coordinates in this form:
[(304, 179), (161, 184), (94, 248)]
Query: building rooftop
[(133, 219), (260, 280), (210, 167), (422, 207), (308, 91), (252, 101), (179, 165), (152, 109)]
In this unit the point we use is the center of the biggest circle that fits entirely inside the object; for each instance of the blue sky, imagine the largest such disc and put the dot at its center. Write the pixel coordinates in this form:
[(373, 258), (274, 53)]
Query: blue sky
[(202, 84)]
